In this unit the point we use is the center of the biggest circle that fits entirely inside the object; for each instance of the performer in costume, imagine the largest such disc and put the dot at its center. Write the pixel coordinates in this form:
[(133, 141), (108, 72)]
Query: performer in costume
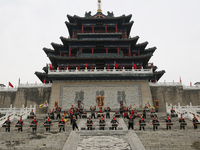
[(172, 112), (102, 123), (131, 121), (89, 124), (7, 123), (144, 113), (117, 113), (75, 112), (34, 122), (48, 124), (84, 115), (168, 120), (93, 111), (107, 112), (125, 112), (141, 121), (62, 122), (195, 120), (52, 114), (74, 125), (114, 123), (58, 110), (20, 123), (181, 121), (154, 121)]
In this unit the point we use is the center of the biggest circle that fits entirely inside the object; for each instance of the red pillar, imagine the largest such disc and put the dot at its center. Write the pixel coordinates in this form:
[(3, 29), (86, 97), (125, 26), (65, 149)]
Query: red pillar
[(106, 49), (92, 28), (70, 51), (129, 51), (92, 50), (117, 49), (116, 28), (82, 28), (81, 49), (105, 28)]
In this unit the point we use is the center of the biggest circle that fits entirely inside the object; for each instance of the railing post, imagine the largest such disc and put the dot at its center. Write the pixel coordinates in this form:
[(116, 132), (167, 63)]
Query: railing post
[(187, 110), (95, 69), (170, 105), (34, 109), (179, 107), (10, 108)]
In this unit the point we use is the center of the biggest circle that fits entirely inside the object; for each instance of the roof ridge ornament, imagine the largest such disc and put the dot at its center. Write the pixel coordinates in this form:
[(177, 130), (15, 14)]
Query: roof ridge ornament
[(99, 6)]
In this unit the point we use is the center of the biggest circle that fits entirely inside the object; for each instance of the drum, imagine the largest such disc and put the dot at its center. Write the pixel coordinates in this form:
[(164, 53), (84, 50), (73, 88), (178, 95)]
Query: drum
[(33, 125), (61, 125), (174, 115), (156, 124), (100, 114), (197, 123), (117, 115), (18, 126), (114, 125), (47, 125), (5, 126), (89, 125), (170, 124), (183, 124), (84, 116), (142, 124), (102, 125)]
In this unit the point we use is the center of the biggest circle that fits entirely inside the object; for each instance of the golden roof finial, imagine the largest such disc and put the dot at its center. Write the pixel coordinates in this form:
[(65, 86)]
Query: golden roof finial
[(99, 6)]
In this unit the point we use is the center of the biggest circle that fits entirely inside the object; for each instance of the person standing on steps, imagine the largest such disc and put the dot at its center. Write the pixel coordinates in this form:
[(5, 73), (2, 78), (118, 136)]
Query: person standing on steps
[(195, 120), (155, 123), (62, 125), (102, 123), (47, 124), (89, 124), (168, 121), (114, 123), (131, 121), (34, 123), (7, 123), (74, 125), (20, 123), (93, 111), (182, 123), (141, 123), (144, 113)]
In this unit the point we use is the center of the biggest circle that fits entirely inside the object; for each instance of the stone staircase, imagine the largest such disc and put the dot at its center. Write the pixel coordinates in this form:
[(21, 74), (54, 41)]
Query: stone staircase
[(167, 139), (40, 140)]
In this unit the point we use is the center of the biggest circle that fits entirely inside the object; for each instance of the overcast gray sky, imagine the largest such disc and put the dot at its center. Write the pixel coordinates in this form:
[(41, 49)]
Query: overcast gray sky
[(26, 26)]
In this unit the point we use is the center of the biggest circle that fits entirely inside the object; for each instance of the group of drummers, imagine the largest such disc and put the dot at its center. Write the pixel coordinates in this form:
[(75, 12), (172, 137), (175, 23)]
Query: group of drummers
[(73, 113)]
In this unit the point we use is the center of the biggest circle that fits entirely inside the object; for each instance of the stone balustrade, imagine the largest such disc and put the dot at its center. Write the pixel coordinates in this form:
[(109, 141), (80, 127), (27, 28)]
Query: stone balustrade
[(101, 71)]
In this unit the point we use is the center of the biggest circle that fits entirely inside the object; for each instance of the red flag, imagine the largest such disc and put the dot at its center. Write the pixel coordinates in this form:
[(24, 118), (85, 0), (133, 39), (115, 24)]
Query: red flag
[(67, 66), (59, 67), (78, 67), (190, 83), (92, 68), (121, 67), (50, 67), (135, 67), (108, 67), (155, 80), (86, 65), (10, 85), (151, 65), (116, 65), (138, 53), (140, 66), (45, 79), (180, 80), (19, 81)]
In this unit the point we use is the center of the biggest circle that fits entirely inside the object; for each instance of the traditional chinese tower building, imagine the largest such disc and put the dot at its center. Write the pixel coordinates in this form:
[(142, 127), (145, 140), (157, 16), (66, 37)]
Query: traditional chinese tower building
[(100, 64)]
